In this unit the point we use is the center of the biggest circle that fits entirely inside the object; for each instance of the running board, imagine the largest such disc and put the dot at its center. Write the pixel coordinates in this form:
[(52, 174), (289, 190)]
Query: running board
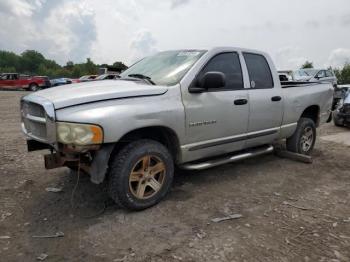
[(228, 159)]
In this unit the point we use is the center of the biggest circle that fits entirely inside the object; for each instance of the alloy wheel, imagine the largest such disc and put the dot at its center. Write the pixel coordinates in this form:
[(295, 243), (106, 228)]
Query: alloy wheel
[(147, 177)]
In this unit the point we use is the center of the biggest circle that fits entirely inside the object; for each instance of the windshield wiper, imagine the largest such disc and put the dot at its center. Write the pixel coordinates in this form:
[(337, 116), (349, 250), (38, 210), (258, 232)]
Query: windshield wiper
[(141, 76)]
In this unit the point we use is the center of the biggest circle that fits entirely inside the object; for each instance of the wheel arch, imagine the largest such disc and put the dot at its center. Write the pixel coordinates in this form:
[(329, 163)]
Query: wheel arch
[(33, 83), (312, 112), (161, 134)]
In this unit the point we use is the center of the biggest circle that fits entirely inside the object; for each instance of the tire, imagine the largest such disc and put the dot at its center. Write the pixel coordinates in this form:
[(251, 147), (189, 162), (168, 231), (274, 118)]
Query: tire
[(337, 121), (139, 190), (34, 87), (304, 138)]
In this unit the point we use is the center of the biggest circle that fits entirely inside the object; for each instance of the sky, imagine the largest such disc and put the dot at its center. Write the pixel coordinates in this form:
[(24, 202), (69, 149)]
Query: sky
[(126, 30)]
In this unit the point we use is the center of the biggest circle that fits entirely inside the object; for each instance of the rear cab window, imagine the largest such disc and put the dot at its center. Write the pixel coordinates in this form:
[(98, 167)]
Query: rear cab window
[(259, 71), (329, 73), (227, 63), (321, 74)]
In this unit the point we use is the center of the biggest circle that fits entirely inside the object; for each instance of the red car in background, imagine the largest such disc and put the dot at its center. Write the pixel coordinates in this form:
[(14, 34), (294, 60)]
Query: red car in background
[(18, 81)]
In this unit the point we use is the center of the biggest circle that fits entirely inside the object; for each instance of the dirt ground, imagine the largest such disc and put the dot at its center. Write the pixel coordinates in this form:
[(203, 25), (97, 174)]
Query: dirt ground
[(291, 211)]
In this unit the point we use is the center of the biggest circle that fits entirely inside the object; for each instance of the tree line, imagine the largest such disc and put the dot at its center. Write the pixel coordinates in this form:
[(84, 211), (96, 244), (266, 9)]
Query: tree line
[(32, 62)]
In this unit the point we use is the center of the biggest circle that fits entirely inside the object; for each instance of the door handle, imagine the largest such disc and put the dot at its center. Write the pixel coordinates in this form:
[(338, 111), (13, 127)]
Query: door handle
[(239, 102), (276, 98)]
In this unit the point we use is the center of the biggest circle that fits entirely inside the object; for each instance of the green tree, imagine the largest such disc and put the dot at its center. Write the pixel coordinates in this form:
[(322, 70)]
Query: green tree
[(34, 63), (69, 65), (9, 60), (8, 69), (307, 64), (90, 67), (343, 74), (31, 60), (120, 66), (42, 70)]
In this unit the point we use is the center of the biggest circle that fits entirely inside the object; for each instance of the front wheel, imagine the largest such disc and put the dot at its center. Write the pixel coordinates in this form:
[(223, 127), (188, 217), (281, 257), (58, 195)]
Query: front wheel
[(140, 174), (304, 137)]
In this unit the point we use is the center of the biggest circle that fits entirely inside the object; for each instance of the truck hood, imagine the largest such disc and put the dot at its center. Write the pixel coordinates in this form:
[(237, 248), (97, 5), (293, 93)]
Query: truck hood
[(76, 94), (303, 78)]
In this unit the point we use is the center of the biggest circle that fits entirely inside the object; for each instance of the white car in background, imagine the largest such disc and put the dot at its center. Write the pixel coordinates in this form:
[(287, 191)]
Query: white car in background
[(315, 75)]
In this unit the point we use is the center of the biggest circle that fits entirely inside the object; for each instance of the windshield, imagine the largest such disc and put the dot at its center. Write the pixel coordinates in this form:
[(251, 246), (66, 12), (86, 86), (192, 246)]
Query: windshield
[(84, 78), (101, 77), (165, 68), (302, 73)]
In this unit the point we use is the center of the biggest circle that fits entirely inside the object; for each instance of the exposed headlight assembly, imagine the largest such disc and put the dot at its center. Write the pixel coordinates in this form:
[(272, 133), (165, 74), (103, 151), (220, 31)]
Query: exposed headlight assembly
[(79, 134)]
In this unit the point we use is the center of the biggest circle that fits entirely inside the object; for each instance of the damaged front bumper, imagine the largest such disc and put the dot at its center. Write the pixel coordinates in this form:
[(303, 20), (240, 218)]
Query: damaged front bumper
[(91, 159)]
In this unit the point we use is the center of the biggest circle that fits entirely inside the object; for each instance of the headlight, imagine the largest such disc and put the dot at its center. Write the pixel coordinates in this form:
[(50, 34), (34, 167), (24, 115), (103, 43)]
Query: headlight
[(79, 134)]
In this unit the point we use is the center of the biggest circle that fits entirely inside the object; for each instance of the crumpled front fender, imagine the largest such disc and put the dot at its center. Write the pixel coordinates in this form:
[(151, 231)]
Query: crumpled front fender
[(99, 166)]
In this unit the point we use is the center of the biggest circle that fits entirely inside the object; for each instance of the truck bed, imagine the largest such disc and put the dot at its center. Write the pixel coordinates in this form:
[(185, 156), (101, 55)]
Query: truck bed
[(288, 84)]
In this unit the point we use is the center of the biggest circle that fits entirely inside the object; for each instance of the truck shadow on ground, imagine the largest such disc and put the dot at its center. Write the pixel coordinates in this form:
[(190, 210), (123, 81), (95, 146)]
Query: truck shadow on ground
[(241, 186), (51, 212)]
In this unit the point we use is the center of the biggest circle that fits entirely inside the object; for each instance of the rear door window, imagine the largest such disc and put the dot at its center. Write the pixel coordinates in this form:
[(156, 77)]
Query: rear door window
[(259, 71)]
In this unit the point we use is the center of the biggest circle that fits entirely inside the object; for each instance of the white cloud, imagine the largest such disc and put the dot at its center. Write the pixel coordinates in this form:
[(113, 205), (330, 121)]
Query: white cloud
[(339, 57), (112, 30), (289, 58), (61, 29), (18, 7), (143, 44), (68, 32), (177, 3)]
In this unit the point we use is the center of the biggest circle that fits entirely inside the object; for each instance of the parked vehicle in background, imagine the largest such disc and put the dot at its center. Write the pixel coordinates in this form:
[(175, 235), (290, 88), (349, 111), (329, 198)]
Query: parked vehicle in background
[(60, 81), (87, 78), (315, 75), (284, 77), (75, 80), (19, 81), (341, 114), (195, 109), (107, 77)]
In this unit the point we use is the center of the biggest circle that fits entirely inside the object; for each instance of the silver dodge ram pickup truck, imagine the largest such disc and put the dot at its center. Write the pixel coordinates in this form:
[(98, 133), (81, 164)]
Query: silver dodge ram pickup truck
[(194, 109)]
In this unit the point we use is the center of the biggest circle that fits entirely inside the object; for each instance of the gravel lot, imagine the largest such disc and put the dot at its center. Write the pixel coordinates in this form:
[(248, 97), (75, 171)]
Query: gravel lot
[(291, 211)]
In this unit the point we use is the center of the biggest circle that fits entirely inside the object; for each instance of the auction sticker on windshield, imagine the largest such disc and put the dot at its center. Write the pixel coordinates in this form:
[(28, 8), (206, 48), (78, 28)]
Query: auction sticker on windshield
[(188, 53)]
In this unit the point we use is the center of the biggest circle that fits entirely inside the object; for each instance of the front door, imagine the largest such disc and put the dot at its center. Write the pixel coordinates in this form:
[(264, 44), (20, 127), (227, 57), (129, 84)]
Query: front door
[(217, 120)]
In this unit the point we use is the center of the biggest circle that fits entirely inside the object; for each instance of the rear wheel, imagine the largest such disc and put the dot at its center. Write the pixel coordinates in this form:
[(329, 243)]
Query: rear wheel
[(34, 87), (140, 174), (304, 137)]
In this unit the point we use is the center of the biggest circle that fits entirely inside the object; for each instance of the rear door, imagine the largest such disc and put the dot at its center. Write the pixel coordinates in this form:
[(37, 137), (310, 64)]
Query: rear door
[(217, 120), (265, 101)]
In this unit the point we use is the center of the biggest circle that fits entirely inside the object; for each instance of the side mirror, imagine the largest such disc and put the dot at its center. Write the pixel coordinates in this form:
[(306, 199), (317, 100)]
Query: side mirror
[(210, 80)]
